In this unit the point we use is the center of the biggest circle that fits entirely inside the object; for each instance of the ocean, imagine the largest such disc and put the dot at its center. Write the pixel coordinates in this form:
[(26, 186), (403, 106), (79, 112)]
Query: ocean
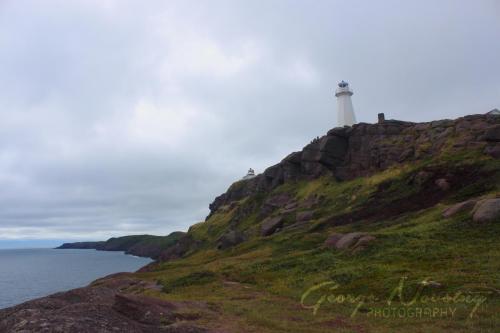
[(26, 274)]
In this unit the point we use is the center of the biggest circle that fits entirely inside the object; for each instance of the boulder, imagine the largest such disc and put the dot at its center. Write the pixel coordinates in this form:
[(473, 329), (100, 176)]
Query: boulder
[(348, 240), (443, 184), (270, 225), (363, 242), (459, 207), (487, 211), (332, 240), (355, 240), (305, 216), (230, 239)]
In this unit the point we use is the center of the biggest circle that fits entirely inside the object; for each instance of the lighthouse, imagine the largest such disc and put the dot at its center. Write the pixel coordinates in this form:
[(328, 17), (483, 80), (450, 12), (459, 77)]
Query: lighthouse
[(250, 174), (345, 111)]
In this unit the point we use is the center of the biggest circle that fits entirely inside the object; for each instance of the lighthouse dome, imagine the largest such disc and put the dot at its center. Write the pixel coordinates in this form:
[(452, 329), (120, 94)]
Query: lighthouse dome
[(343, 84)]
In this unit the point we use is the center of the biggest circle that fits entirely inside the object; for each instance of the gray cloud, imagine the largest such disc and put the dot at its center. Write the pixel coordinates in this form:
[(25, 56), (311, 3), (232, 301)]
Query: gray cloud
[(122, 117)]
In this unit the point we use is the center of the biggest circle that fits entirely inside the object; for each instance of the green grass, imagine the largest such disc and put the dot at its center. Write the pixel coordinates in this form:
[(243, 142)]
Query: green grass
[(258, 285), (192, 279)]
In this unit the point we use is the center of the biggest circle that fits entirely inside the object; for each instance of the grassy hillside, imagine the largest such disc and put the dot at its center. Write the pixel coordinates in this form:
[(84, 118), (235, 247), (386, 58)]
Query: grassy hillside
[(291, 282)]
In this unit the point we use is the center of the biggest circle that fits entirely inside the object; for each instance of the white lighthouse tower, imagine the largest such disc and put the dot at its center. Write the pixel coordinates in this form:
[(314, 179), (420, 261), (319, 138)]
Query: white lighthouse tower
[(345, 111)]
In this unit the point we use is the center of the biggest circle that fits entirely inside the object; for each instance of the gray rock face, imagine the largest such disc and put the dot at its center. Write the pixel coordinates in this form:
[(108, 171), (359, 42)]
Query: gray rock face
[(487, 211), (459, 207), (270, 225)]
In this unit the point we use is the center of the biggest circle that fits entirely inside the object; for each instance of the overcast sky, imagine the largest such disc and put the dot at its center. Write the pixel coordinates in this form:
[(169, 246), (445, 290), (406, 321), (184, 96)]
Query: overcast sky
[(125, 117)]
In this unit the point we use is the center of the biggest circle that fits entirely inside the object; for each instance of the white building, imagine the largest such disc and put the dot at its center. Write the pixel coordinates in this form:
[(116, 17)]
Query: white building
[(250, 174), (345, 111)]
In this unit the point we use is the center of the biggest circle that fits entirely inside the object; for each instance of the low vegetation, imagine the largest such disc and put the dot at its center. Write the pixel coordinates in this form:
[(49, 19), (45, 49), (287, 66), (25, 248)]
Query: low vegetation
[(264, 284)]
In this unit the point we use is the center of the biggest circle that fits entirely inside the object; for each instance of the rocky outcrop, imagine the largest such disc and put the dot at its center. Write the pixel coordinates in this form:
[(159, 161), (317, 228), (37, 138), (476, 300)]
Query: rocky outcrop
[(332, 240), (487, 211), (364, 149), (348, 240), (110, 304), (354, 241), (270, 225), (459, 207)]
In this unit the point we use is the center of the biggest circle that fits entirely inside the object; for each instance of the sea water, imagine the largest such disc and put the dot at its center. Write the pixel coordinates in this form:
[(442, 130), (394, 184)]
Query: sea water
[(26, 274)]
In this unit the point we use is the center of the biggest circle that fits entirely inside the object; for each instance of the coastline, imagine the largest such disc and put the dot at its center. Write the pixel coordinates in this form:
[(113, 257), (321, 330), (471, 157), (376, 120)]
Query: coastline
[(145, 246)]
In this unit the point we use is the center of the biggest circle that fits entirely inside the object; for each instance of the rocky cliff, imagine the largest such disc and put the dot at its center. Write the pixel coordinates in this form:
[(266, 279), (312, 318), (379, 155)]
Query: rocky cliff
[(365, 149)]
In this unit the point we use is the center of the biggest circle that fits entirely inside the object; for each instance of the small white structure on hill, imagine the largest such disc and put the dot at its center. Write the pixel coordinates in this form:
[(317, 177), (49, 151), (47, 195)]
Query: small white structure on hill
[(345, 111), (250, 174)]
